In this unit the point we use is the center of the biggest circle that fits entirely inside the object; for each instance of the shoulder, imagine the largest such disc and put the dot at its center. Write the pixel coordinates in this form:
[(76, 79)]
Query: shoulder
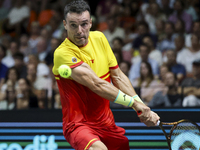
[(96, 34), (64, 47)]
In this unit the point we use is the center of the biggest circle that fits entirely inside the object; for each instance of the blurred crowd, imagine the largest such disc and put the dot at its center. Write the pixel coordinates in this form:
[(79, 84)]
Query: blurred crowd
[(156, 43)]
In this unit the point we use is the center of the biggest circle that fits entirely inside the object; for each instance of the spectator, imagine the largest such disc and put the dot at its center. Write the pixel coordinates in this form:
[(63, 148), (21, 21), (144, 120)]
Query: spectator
[(26, 99), (178, 69), (9, 60), (135, 67), (41, 49), (169, 97), (45, 34), (126, 19), (166, 9), (34, 36), (42, 98), (189, 8), (103, 9), (168, 42), (147, 83), (163, 69), (56, 96), (20, 65), (179, 27), (24, 46), (187, 56), (11, 76), (118, 55), (113, 29), (4, 13), (125, 67), (154, 53), (179, 12), (195, 30), (17, 19), (153, 15), (191, 87), (42, 68), (9, 100), (3, 67), (45, 13), (143, 30), (170, 3), (117, 44), (180, 44), (160, 25), (37, 82), (49, 57)]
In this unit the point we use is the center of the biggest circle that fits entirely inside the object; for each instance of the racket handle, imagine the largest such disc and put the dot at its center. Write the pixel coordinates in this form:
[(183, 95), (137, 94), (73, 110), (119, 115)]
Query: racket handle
[(140, 112)]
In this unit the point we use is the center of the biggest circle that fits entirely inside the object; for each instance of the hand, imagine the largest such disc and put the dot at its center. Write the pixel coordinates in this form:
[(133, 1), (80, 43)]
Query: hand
[(147, 116)]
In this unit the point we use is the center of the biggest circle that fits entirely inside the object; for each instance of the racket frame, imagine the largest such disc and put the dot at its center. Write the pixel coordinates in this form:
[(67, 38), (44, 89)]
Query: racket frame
[(174, 125)]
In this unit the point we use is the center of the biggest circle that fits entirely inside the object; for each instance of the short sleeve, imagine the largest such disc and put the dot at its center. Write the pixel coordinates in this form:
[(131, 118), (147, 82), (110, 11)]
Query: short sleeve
[(112, 62), (67, 57)]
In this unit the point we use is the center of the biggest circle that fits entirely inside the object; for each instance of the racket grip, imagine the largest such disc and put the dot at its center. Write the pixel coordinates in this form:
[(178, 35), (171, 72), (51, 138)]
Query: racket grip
[(139, 113), (158, 123)]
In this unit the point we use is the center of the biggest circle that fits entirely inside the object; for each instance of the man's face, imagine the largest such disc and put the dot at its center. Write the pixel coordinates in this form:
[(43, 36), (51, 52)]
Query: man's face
[(168, 29), (196, 70), (144, 53), (171, 56), (148, 41), (78, 27), (169, 79), (196, 27)]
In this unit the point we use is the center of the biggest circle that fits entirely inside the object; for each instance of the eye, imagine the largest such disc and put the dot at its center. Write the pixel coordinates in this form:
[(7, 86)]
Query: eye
[(74, 25), (84, 24)]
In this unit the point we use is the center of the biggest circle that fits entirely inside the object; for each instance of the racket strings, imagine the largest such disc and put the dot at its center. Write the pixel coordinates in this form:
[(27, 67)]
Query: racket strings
[(186, 136)]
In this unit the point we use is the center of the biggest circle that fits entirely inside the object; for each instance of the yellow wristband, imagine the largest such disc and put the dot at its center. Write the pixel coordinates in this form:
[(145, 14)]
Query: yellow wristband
[(124, 99), (137, 98)]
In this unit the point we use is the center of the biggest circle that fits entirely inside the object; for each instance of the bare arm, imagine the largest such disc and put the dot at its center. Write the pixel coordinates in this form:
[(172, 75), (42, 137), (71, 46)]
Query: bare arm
[(121, 81), (84, 75)]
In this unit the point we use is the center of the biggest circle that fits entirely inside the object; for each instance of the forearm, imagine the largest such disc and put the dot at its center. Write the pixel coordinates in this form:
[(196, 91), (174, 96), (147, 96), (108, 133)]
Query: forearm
[(122, 82), (105, 90)]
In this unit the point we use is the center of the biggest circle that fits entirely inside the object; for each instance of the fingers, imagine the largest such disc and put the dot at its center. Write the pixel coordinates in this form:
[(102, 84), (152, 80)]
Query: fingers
[(149, 118)]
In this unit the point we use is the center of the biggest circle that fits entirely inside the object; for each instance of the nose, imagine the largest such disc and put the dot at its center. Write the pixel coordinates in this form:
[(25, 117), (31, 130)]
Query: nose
[(79, 29)]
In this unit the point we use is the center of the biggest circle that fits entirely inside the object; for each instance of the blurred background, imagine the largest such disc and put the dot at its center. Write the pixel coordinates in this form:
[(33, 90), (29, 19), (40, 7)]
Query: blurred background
[(156, 44)]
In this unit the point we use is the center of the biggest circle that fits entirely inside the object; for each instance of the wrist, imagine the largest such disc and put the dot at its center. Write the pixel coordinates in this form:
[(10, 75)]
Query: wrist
[(137, 98), (124, 99), (136, 101)]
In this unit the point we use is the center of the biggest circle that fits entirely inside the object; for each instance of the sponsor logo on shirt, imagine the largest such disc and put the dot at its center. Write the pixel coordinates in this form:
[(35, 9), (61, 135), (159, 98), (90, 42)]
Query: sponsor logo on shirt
[(92, 60), (74, 59)]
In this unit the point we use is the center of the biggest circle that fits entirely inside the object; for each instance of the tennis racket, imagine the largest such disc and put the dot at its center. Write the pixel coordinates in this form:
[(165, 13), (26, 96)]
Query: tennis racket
[(184, 134)]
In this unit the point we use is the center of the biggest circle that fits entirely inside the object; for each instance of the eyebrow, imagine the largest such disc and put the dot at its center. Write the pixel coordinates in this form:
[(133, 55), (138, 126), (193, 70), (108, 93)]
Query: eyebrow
[(82, 21)]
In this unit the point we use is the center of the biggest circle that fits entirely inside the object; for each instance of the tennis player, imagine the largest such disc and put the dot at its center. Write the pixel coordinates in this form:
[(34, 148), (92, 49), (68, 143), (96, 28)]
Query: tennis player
[(88, 122)]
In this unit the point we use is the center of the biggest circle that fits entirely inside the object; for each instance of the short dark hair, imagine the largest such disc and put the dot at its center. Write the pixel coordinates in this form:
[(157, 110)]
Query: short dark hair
[(118, 39), (145, 45), (18, 55), (77, 6), (143, 23), (3, 49)]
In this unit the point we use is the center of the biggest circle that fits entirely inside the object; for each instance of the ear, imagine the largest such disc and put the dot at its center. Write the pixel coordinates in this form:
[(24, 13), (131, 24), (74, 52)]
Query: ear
[(90, 22), (65, 24)]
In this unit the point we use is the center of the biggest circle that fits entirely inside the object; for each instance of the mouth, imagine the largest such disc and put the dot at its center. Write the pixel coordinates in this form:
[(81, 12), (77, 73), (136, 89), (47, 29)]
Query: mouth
[(80, 38)]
